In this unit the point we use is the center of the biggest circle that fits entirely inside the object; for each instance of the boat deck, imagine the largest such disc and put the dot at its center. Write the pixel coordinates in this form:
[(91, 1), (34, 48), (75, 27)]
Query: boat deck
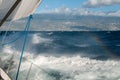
[(3, 75)]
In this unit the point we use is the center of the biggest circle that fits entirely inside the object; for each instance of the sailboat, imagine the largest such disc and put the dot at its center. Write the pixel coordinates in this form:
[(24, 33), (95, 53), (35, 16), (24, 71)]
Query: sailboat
[(16, 9), (12, 10), (3, 75)]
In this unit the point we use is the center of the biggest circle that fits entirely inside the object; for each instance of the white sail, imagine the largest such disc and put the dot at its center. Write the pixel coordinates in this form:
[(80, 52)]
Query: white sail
[(0, 1), (23, 9)]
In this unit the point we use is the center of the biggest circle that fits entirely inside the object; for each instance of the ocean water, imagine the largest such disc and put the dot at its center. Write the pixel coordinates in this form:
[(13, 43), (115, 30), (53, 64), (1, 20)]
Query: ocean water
[(62, 55)]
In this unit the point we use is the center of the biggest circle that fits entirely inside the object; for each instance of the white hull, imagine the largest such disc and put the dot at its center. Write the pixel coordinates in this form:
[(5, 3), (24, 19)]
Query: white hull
[(3, 75)]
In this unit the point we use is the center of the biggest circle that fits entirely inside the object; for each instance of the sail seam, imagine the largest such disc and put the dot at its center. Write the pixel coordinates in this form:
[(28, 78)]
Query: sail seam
[(9, 12)]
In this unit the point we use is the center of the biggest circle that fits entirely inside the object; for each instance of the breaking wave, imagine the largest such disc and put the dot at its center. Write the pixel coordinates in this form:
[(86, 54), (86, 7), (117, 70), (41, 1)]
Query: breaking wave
[(64, 68), (74, 62)]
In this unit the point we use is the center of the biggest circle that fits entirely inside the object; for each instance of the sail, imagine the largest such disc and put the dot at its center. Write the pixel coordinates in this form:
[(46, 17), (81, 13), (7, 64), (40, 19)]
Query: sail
[(19, 8), (0, 1)]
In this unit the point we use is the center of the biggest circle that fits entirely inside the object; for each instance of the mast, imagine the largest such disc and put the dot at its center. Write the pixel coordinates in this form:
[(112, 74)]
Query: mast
[(9, 12)]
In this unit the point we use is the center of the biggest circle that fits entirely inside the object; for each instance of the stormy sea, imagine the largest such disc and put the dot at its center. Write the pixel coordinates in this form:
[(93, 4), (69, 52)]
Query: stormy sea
[(62, 55)]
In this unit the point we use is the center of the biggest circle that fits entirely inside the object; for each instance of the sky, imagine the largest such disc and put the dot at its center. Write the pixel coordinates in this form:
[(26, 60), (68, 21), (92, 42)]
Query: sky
[(102, 6), (50, 4)]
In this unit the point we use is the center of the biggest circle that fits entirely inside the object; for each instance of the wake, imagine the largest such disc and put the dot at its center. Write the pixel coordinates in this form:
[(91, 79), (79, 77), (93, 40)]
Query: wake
[(62, 68)]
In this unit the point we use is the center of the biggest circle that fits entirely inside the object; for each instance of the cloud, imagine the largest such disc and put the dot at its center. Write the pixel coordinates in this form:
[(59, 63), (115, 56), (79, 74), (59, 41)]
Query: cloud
[(117, 13), (74, 11), (100, 3), (62, 10), (80, 11)]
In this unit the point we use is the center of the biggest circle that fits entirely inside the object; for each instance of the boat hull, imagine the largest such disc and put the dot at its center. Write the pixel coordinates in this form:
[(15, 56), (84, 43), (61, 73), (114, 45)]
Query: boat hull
[(3, 75)]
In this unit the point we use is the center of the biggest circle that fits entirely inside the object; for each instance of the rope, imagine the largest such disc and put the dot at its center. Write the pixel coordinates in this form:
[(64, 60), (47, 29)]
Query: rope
[(23, 48), (3, 44), (37, 66), (6, 32), (27, 78)]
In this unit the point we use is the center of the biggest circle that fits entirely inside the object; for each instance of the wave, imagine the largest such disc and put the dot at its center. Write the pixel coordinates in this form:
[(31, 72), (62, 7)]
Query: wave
[(62, 67), (68, 68), (60, 56)]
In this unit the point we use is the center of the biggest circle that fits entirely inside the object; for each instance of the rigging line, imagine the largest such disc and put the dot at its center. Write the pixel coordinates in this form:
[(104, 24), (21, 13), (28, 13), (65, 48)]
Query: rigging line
[(6, 32), (37, 66), (16, 38), (24, 44), (9, 12), (3, 44), (27, 78)]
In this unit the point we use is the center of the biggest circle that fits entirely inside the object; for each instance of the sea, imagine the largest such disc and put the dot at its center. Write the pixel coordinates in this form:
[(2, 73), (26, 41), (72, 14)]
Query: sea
[(61, 55)]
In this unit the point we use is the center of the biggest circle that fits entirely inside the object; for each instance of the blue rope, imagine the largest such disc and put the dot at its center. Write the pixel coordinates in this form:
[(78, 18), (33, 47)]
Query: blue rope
[(3, 44), (23, 48)]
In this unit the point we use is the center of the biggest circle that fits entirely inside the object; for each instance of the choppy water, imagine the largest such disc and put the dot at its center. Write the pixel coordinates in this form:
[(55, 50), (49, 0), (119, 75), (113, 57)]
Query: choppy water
[(75, 55)]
